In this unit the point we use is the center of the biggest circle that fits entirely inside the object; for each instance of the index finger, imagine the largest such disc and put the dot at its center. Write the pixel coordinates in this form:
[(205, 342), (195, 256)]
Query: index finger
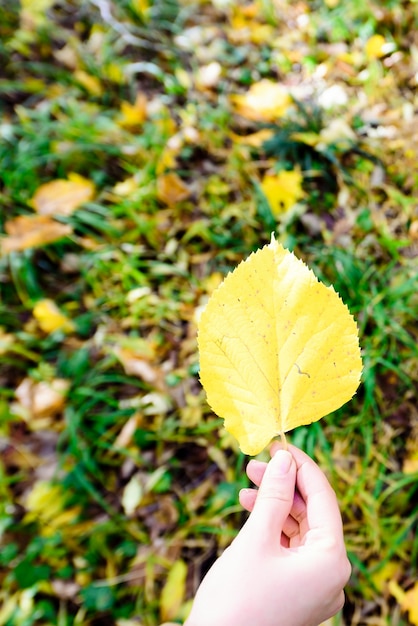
[(322, 510)]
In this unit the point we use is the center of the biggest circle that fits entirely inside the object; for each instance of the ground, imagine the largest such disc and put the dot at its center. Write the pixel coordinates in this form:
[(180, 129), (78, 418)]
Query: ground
[(146, 148)]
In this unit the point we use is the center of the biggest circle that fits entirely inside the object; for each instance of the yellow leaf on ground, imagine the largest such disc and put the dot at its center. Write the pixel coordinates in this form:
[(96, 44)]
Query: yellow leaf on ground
[(34, 13), (126, 187), (254, 140), (135, 365), (410, 464), (265, 101), (50, 318), (46, 504), (32, 231), (6, 341), (337, 132), (381, 576), (410, 604), (141, 8), (173, 591), (282, 190), (278, 349), (167, 159), (41, 399), (39, 403), (310, 139), (45, 500), (63, 197), (90, 83), (263, 34), (132, 495), (408, 600), (375, 47), (171, 189), (133, 114)]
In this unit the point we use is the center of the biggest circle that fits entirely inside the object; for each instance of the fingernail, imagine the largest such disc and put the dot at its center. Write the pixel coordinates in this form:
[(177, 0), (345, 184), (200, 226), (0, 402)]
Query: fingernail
[(283, 461)]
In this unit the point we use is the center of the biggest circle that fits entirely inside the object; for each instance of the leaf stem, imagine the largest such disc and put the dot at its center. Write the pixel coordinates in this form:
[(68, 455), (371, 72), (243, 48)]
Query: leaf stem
[(283, 440)]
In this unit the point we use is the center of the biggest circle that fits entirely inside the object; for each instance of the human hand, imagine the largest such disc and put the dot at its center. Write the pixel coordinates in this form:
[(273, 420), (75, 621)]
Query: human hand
[(288, 564)]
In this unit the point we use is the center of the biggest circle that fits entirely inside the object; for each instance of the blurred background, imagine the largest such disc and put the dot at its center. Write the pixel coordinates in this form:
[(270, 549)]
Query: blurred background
[(146, 148)]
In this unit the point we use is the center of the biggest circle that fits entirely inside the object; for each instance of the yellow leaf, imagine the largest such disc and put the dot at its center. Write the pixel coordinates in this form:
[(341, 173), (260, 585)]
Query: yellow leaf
[(45, 504), (43, 398), (278, 349), (337, 132), (265, 101), (141, 8), (133, 114), (126, 187), (310, 139), (254, 140), (67, 55), (31, 231), (45, 500), (167, 159), (132, 495), (262, 34), (34, 13), (171, 189), (184, 77), (173, 591), (410, 604), (128, 430), (410, 464), (384, 574), (282, 190), (114, 72), (50, 318), (6, 341), (10, 605), (134, 365), (90, 83), (375, 47), (63, 197), (408, 600)]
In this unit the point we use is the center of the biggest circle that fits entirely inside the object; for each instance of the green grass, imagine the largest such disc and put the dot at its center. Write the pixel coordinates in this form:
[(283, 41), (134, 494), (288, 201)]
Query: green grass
[(102, 495)]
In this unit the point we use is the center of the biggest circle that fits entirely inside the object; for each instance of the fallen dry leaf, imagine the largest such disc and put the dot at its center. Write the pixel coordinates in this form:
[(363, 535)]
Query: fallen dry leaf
[(63, 197), (90, 83), (135, 114), (40, 400), (171, 189), (408, 600), (377, 46), (282, 190), (50, 318), (173, 592), (32, 231), (410, 464), (254, 140), (127, 432), (134, 365), (265, 101), (410, 604)]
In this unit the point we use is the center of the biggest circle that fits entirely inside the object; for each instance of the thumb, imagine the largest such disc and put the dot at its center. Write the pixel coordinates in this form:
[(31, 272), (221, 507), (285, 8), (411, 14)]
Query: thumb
[(275, 495)]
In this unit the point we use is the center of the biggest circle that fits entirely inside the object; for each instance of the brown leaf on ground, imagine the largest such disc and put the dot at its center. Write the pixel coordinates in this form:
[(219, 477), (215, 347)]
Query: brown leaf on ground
[(32, 231), (63, 197), (171, 189)]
